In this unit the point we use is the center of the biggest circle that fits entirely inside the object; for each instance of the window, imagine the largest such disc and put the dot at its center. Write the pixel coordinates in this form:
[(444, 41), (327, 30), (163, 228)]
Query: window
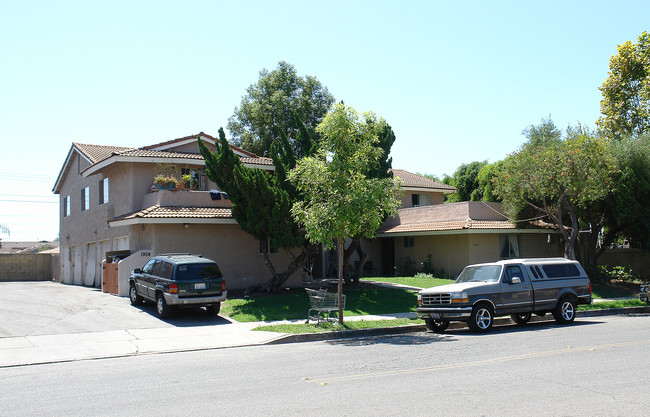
[(103, 191), (66, 206), (85, 198), (415, 200), (196, 177), (148, 268), (409, 241), (265, 245), (508, 246), (561, 270), (514, 271), (166, 270)]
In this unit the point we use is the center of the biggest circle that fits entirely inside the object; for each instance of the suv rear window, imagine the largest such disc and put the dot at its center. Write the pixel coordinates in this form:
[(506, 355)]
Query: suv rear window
[(561, 270), (189, 272)]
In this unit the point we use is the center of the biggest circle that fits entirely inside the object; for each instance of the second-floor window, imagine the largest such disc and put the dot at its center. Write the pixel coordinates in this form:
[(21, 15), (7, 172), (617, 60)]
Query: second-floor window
[(103, 191), (85, 198), (415, 200), (66, 206)]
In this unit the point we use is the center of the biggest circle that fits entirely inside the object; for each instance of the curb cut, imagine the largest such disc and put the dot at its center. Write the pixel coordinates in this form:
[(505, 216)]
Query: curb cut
[(413, 328)]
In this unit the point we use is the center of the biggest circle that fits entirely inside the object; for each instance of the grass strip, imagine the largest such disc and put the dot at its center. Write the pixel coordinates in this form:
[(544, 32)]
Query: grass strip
[(374, 324), (335, 327)]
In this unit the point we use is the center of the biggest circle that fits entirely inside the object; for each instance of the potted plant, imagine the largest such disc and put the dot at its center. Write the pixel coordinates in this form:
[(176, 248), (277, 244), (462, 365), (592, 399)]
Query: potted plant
[(164, 182), (188, 182)]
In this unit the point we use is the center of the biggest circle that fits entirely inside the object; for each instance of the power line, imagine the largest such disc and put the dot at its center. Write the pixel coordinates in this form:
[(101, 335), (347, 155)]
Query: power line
[(30, 201)]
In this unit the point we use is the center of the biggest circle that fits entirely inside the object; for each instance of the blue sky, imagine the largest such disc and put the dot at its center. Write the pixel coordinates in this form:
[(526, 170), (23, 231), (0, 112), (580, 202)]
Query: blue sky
[(457, 81)]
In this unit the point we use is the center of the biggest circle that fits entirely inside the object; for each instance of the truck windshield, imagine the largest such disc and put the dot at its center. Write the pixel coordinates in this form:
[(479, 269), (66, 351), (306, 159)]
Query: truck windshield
[(190, 272), (483, 273)]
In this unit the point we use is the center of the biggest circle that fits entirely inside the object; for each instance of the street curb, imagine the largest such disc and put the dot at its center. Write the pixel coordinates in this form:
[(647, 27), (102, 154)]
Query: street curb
[(413, 328)]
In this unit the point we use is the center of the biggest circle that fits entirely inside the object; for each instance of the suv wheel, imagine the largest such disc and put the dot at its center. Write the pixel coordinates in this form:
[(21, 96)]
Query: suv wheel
[(482, 318), (135, 298), (565, 311), (520, 318), (436, 326), (162, 308)]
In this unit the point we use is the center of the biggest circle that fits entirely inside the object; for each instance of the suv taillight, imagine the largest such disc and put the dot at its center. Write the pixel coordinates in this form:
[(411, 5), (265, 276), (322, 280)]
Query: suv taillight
[(223, 285), (173, 288)]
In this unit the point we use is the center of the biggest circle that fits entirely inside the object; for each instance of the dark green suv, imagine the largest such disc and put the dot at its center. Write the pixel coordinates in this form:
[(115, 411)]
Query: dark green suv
[(178, 280)]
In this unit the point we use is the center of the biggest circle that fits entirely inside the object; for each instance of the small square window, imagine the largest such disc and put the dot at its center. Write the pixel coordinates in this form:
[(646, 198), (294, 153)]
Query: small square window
[(409, 241)]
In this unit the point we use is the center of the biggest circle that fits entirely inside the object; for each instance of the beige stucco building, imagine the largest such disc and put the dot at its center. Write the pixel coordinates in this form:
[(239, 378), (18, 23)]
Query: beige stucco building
[(110, 209), (108, 205)]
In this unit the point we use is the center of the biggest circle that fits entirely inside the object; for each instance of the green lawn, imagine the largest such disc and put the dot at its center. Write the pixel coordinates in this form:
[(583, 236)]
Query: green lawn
[(294, 304), (413, 281)]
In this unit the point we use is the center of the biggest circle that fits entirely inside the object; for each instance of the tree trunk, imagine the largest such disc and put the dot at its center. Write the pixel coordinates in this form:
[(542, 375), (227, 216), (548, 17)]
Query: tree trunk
[(346, 260), (280, 278), (363, 258), (340, 286)]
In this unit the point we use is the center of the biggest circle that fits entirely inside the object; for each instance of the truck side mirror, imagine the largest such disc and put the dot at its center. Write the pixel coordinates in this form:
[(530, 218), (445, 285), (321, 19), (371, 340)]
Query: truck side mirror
[(515, 280), (137, 271)]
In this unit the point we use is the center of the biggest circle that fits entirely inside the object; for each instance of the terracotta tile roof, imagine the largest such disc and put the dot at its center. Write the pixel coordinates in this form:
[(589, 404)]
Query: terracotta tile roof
[(468, 224), (144, 153), (418, 181), (173, 141), (173, 212), (96, 153), (260, 160), (205, 135)]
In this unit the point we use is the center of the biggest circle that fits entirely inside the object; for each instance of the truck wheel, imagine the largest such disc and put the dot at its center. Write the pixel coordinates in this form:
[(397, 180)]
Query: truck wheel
[(520, 318), (565, 311), (162, 308), (214, 308), (135, 298), (436, 326), (482, 318)]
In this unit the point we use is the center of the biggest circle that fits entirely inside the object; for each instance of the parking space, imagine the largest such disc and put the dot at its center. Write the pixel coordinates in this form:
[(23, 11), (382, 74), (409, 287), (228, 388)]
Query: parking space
[(49, 308)]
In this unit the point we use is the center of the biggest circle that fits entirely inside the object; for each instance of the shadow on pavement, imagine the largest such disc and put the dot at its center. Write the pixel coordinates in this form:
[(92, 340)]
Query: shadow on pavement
[(186, 317), (419, 338)]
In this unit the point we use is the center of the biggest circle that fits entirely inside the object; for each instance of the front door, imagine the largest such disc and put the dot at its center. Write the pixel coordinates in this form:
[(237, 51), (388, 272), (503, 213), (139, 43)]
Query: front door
[(387, 257)]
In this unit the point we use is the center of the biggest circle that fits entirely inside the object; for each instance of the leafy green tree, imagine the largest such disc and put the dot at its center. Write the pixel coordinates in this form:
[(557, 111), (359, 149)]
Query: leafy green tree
[(628, 214), (465, 179), (261, 203), (341, 201), (557, 180), (625, 106), (485, 178), (380, 169), (543, 134), (273, 105)]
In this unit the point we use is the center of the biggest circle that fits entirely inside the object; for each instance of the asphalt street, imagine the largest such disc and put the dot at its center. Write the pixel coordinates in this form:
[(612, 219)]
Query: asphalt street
[(594, 367)]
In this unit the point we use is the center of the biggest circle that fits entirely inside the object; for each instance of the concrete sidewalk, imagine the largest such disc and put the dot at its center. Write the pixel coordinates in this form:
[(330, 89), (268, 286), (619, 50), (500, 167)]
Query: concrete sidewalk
[(40, 349)]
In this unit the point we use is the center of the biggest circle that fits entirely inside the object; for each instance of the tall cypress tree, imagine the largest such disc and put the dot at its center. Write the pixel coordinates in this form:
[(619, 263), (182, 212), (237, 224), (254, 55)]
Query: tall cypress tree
[(261, 202)]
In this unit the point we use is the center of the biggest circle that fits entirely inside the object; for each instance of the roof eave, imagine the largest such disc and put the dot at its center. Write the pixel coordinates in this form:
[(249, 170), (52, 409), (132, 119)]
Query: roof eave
[(59, 179), (173, 220)]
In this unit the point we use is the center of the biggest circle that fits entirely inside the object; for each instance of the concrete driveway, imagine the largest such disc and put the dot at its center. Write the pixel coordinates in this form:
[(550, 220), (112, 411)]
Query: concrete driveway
[(45, 322), (47, 308)]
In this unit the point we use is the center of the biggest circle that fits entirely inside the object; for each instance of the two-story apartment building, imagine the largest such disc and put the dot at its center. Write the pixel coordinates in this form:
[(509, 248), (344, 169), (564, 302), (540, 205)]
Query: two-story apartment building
[(109, 206)]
